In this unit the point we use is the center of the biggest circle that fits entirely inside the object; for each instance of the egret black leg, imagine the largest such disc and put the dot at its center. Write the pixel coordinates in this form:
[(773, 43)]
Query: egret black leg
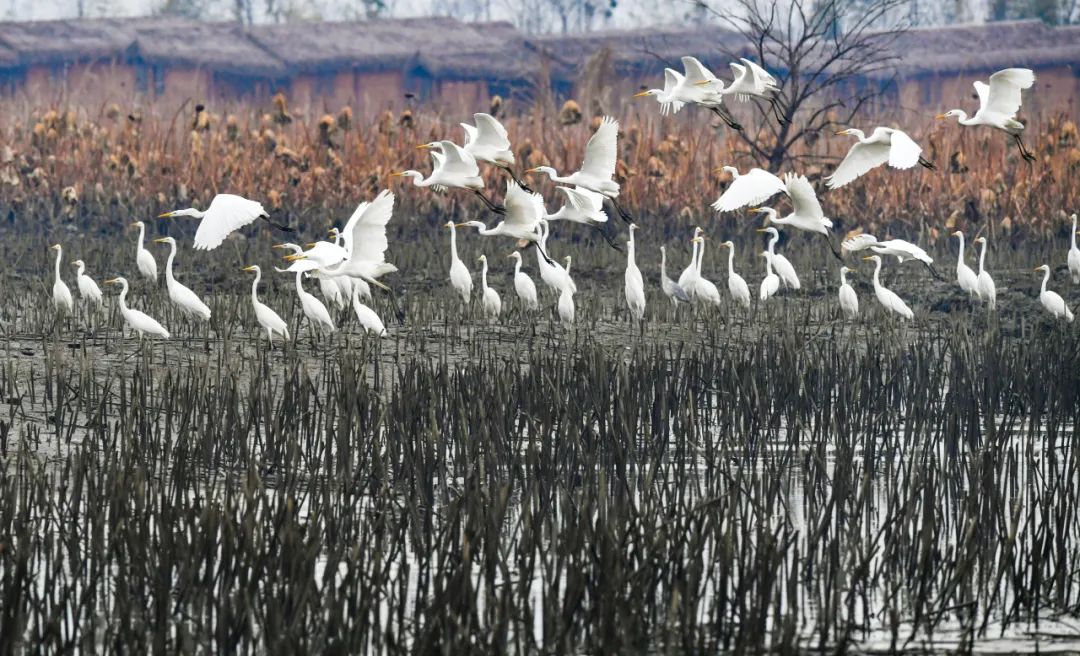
[(513, 176), (726, 118), (925, 163), (279, 226), (777, 112), (498, 209), (832, 246), (611, 242), (1024, 152), (623, 214), (541, 251)]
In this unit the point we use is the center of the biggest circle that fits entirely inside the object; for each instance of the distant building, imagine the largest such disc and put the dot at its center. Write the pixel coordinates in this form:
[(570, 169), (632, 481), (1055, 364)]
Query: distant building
[(379, 64)]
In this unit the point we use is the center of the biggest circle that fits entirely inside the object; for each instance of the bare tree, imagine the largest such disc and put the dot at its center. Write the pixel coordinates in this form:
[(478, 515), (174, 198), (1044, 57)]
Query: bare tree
[(833, 57)]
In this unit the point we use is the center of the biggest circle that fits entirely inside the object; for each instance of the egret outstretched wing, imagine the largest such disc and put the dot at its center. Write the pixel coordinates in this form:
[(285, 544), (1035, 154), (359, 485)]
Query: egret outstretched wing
[(523, 209), (803, 197), (227, 213), (904, 152), (753, 188), (457, 161), (364, 236), (858, 243), (585, 201), (1002, 96), (696, 71), (600, 152), (860, 159), (490, 132), (761, 77)]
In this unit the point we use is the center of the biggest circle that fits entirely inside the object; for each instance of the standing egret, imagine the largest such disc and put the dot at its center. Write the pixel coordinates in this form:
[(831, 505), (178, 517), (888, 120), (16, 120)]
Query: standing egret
[(316, 313), (140, 322), (267, 318), (703, 287), (345, 283), (460, 278), (752, 188), (1052, 301), (737, 287), (783, 267), (888, 299), (88, 289), (689, 277), (62, 300), (669, 104), (551, 272), (144, 259), (634, 285), (849, 302), (969, 282), (487, 141), (584, 207), (489, 298), (671, 288), (884, 145), (566, 298), (1074, 254), (226, 214), (598, 167), (366, 316), (771, 284), (806, 213), (523, 285), (181, 296), (998, 103), (331, 291), (987, 290)]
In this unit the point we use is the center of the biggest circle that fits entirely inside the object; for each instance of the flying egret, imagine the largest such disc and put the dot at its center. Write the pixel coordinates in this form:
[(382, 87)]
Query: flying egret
[(487, 141), (566, 297), (267, 318), (753, 81), (689, 277), (987, 290), (598, 167), (783, 267), (969, 282), (88, 289), (698, 86), (316, 313), (1074, 254), (898, 248), (771, 283), (144, 259), (524, 285), (669, 104), (460, 278), (62, 300), (455, 168), (524, 211), (849, 302), (489, 298), (884, 145), (703, 287), (888, 298), (752, 188), (634, 285), (226, 214), (998, 103), (366, 316), (584, 207), (181, 296), (806, 213), (671, 288), (1052, 301), (737, 287), (140, 322), (345, 283), (363, 245)]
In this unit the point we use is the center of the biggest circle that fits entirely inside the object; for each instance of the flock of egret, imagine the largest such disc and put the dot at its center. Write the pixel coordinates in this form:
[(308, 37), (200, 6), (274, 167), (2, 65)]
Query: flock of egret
[(353, 261)]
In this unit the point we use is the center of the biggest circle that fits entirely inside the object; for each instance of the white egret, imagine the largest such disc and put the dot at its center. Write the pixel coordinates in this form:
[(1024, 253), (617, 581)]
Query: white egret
[(522, 217), (460, 278), (598, 167), (267, 318), (185, 299), (330, 290), (737, 287), (703, 287), (634, 285), (455, 168), (998, 103), (489, 298), (669, 104), (316, 313), (551, 272), (987, 289), (62, 300), (806, 214), (700, 87), (783, 267), (752, 188), (771, 284), (1074, 254), (1052, 301), (849, 302), (584, 207), (144, 259), (226, 214), (88, 289), (140, 322), (902, 250), (366, 316), (671, 288), (364, 244), (524, 285), (689, 277), (969, 282), (884, 145), (345, 283), (888, 298), (487, 141), (566, 297), (753, 81)]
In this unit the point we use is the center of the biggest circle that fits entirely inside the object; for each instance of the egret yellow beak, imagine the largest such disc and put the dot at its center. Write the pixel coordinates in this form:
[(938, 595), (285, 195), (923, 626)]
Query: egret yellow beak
[(294, 257), (841, 132), (279, 246), (460, 225), (702, 83), (423, 146), (397, 174), (762, 229), (641, 94), (310, 244), (248, 268), (164, 215), (112, 281), (940, 116), (533, 170), (869, 257), (162, 240)]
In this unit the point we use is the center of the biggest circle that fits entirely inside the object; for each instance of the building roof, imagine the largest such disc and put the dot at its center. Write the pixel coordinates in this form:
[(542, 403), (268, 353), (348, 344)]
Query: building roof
[(222, 47), (58, 41)]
